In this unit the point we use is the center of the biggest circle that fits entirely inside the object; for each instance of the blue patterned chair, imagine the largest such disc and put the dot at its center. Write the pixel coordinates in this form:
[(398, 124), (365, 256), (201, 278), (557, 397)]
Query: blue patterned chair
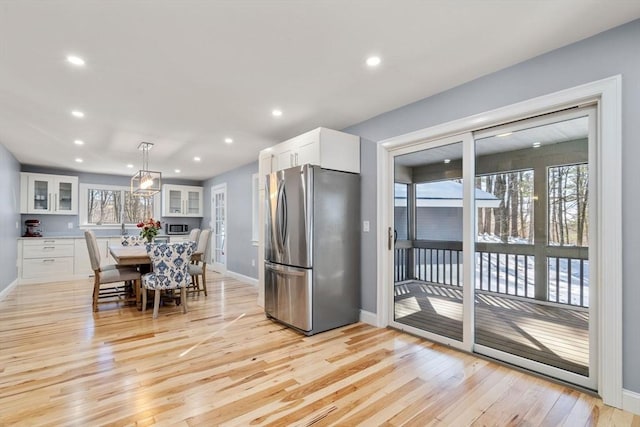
[(170, 270), (131, 240)]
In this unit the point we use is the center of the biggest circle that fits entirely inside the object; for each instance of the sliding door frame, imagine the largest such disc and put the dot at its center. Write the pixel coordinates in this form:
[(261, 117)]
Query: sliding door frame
[(607, 252)]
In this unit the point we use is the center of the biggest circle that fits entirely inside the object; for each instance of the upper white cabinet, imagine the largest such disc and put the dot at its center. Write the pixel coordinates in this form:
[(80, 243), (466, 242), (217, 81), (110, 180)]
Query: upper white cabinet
[(48, 194), (324, 147), (181, 200)]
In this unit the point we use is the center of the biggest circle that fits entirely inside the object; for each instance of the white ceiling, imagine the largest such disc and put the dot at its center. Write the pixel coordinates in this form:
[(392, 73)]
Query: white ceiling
[(187, 74)]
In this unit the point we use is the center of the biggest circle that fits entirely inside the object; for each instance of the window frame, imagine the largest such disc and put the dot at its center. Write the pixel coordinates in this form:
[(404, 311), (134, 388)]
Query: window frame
[(83, 200)]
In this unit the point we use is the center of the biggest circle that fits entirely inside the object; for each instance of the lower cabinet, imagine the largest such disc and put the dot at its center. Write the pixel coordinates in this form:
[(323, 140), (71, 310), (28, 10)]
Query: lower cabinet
[(47, 258)]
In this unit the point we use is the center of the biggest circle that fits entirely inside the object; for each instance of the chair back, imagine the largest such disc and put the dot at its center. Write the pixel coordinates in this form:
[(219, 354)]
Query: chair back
[(203, 244), (94, 250), (170, 263), (194, 234), (131, 240)]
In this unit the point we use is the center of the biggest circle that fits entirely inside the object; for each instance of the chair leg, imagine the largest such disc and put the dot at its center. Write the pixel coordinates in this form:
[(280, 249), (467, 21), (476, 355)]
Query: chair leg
[(183, 293), (136, 292), (156, 303), (204, 278), (144, 299), (96, 290)]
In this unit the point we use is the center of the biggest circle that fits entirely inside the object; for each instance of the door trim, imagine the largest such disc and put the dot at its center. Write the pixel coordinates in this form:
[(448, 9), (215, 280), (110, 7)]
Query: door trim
[(219, 267), (608, 252)]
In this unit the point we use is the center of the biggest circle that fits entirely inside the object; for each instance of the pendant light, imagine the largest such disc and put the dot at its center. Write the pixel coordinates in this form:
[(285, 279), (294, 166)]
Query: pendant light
[(146, 182)]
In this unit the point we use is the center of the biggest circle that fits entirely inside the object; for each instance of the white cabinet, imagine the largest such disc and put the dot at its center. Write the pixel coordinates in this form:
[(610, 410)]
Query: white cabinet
[(181, 200), (46, 259), (324, 147), (48, 194)]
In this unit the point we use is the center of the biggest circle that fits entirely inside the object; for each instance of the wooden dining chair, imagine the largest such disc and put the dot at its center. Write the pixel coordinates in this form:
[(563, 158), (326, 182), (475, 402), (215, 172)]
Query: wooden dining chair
[(170, 263), (198, 266), (109, 274)]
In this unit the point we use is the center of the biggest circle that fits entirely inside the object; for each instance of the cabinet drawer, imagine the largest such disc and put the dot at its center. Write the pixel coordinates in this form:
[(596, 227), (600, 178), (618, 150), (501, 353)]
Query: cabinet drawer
[(47, 251), (46, 267), (47, 242)]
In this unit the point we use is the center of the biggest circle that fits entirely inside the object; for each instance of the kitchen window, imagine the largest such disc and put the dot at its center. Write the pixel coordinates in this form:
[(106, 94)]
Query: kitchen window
[(110, 206)]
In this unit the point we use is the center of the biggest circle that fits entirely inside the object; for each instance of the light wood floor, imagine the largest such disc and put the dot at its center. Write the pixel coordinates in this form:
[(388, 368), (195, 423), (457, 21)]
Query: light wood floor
[(554, 335), (223, 363)]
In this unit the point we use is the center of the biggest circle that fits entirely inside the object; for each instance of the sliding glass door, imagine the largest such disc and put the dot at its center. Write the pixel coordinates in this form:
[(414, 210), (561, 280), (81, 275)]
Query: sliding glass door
[(491, 243), (428, 236), (532, 278)]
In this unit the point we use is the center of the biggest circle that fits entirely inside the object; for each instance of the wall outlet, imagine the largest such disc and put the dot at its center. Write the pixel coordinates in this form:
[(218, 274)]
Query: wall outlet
[(253, 263), (365, 226), (70, 225)]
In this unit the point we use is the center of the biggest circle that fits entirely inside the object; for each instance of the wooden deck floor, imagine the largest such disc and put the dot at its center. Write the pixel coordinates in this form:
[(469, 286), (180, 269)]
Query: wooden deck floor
[(556, 336), (223, 363)]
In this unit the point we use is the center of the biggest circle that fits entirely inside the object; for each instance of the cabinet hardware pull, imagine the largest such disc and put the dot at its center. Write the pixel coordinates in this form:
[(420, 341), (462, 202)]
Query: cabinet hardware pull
[(49, 260)]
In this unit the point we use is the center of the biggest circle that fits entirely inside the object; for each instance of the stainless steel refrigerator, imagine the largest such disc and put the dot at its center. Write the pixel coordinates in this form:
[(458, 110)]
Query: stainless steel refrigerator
[(312, 248)]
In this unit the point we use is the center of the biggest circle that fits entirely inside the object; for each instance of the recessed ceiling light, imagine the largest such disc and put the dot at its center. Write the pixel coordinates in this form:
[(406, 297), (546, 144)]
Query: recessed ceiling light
[(536, 144), (78, 142), (373, 61), (228, 140), (75, 60), (177, 170), (502, 135), (196, 159), (77, 113), (276, 113), (130, 166), (447, 160), (78, 159)]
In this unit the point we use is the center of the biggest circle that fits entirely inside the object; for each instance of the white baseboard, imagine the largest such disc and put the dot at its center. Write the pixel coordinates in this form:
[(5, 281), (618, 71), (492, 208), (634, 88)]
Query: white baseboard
[(242, 278), (369, 317), (631, 401), (6, 290)]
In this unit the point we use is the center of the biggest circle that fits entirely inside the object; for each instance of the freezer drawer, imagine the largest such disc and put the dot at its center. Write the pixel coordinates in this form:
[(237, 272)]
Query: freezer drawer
[(288, 295)]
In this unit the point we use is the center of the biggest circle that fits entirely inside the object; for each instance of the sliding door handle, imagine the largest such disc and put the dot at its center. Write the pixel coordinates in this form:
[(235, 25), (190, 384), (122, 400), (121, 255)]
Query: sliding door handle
[(390, 239)]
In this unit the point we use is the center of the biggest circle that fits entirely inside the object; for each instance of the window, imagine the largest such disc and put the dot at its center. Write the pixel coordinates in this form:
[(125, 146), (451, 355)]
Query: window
[(568, 197), (505, 207), (255, 204), (107, 205)]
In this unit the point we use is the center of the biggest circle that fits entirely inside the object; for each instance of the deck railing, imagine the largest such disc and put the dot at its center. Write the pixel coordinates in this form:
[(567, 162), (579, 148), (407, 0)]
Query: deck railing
[(508, 269)]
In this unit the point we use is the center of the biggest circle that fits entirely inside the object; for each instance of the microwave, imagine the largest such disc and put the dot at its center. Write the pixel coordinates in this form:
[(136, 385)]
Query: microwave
[(176, 228)]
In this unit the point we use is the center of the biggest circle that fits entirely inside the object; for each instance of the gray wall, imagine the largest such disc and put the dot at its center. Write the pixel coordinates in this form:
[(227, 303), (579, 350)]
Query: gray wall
[(9, 216), (610, 53), (240, 249)]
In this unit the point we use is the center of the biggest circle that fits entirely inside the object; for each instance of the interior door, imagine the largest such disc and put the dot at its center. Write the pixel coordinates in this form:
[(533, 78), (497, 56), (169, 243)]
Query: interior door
[(219, 228)]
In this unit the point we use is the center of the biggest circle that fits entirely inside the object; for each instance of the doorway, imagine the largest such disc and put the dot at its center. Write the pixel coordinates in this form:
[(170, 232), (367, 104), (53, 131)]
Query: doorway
[(219, 228)]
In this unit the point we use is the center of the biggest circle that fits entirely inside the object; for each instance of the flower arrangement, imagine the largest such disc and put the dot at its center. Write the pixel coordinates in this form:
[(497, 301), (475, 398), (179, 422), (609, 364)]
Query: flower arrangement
[(149, 229)]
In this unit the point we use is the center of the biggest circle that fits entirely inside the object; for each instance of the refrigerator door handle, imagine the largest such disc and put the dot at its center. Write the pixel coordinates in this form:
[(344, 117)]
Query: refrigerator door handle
[(284, 216), (277, 226)]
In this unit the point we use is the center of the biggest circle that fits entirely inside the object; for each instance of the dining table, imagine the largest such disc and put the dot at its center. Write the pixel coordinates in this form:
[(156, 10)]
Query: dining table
[(129, 255)]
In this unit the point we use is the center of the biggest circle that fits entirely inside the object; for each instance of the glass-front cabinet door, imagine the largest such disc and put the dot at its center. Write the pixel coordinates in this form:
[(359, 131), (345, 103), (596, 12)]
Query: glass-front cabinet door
[(194, 202), (64, 200), (175, 201), (40, 196)]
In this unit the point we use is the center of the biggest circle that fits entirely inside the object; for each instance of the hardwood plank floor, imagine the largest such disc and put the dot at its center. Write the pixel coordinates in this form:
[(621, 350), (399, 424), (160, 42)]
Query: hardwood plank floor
[(224, 363)]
